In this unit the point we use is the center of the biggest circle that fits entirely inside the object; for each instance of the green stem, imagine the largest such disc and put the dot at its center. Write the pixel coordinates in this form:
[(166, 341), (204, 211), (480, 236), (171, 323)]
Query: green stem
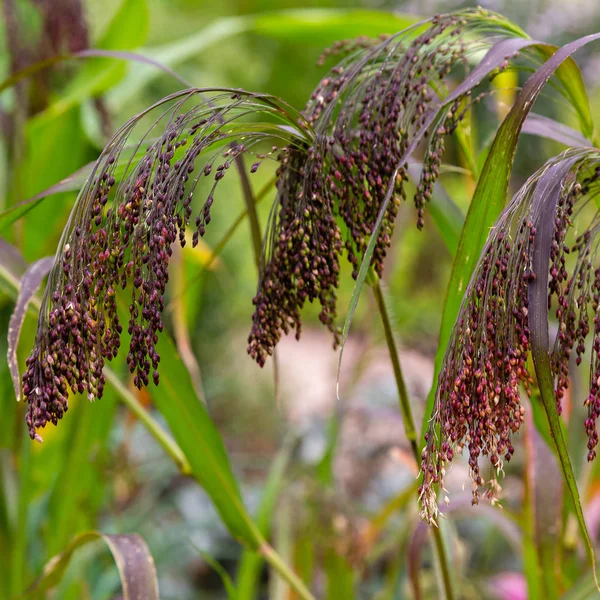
[(409, 422), (405, 408), (251, 209), (266, 549), (158, 433), (284, 571)]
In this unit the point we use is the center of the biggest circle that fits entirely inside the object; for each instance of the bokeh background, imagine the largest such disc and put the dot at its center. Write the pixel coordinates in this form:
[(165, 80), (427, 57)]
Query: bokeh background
[(123, 481)]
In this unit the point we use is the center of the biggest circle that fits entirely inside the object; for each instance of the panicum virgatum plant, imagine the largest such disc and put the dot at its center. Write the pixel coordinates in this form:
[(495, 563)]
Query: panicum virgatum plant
[(341, 177), (478, 399)]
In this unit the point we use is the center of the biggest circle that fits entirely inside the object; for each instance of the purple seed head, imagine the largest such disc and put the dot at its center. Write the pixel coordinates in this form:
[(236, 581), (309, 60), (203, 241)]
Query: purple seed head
[(478, 405)]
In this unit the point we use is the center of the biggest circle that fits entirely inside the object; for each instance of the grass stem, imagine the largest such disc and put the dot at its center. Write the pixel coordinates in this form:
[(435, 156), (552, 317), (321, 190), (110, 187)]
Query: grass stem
[(409, 423)]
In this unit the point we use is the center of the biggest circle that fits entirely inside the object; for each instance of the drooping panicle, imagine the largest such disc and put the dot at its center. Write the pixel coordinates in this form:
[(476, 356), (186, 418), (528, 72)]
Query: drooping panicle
[(485, 369), (368, 114), (120, 236)]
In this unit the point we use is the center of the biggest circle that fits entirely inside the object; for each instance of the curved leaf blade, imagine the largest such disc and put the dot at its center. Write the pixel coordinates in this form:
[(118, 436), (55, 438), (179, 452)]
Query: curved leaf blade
[(546, 197), (301, 25), (30, 282), (553, 130), (132, 558)]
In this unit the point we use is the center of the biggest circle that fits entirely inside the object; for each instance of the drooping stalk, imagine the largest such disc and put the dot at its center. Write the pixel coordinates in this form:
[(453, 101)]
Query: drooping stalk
[(409, 423)]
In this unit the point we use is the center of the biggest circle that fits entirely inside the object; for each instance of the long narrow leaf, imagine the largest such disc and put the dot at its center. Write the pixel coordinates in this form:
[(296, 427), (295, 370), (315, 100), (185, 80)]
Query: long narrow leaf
[(324, 26), (553, 130)]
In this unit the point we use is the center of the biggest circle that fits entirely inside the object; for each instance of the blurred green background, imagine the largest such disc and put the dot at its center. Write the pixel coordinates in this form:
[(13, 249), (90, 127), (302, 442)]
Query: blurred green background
[(100, 468)]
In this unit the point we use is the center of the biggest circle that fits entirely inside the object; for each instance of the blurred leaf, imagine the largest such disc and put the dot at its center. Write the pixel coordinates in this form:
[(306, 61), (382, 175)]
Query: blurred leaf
[(301, 25), (196, 434), (30, 282), (223, 574), (72, 183), (340, 577), (75, 491), (88, 54), (392, 507), (68, 184), (324, 468), (329, 25), (584, 589), (131, 555), (127, 30), (250, 564), (11, 260), (201, 254), (541, 518)]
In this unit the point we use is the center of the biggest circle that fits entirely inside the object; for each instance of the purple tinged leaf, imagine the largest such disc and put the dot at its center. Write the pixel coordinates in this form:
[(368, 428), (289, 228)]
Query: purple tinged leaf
[(11, 260), (91, 53), (30, 282), (490, 196), (68, 184), (553, 130), (544, 203), (543, 481)]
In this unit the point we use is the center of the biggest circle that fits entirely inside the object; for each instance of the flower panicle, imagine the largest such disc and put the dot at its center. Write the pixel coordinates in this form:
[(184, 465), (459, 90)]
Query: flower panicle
[(365, 114), (478, 399), (120, 237)]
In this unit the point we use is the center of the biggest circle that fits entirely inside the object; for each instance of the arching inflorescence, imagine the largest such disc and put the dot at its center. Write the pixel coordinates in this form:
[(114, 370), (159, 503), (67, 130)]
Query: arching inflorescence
[(341, 169), (368, 114), (120, 235), (479, 395)]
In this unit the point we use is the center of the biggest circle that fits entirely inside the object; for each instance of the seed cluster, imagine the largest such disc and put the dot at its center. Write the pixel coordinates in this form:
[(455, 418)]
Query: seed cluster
[(120, 236), (341, 170), (365, 114), (576, 291), (478, 399)]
